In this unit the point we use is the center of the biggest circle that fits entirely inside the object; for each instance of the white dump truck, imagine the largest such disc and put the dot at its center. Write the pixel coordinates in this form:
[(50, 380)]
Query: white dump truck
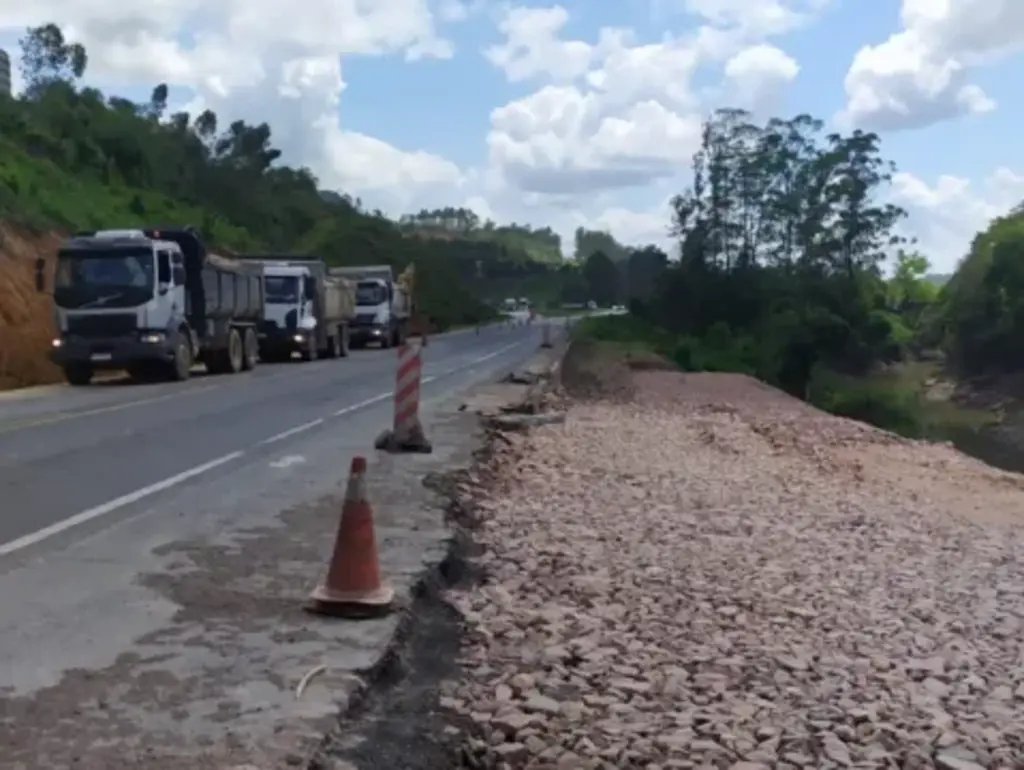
[(307, 310), (383, 305), (151, 301)]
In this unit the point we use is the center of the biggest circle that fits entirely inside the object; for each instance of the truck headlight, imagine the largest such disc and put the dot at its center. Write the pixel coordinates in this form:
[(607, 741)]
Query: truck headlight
[(299, 337), (152, 338), (56, 342)]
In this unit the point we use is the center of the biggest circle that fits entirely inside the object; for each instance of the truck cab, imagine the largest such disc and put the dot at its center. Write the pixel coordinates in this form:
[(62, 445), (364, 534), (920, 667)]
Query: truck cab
[(151, 302), (383, 307), (373, 311), (118, 295), (289, 319)]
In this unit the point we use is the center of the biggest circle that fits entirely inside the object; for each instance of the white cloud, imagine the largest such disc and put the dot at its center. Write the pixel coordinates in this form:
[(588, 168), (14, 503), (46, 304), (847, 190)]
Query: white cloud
[(262, 61), (606, 113), (757, 77), (616, 113), (921, 74), (532, 46), (946, 215)]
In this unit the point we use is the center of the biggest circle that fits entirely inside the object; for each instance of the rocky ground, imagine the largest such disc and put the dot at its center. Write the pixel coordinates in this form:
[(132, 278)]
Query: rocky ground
[(700, 572)]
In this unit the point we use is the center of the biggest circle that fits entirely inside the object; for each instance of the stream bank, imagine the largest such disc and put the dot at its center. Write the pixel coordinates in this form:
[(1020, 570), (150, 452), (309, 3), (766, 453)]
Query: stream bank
[(981, 418)]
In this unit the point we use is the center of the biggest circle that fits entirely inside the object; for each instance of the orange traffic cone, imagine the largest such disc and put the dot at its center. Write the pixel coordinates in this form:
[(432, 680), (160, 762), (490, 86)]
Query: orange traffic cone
[(353, 587)]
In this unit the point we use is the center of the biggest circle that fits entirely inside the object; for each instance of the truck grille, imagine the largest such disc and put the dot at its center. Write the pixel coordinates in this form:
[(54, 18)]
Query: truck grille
[(363, 319), (106, 325)]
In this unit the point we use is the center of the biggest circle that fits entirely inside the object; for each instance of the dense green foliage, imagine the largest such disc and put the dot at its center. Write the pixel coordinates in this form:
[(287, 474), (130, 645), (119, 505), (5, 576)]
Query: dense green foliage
[(783, 239), (979, 315), (73, 158)]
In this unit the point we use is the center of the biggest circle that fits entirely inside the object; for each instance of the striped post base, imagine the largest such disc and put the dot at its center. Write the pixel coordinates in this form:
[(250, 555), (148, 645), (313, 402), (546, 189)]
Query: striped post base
[(406, 433)]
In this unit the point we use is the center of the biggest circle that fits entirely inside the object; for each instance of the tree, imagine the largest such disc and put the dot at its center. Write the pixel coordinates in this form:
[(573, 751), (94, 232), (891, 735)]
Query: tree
[(46, 58), (588, 242), (644, 270), (602, 277), (979, 313), (782, 235), (157, 103)]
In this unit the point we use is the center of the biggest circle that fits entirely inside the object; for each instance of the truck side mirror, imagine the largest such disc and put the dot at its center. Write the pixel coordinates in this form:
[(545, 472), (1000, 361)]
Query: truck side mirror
[(40, 275), (309, 289)]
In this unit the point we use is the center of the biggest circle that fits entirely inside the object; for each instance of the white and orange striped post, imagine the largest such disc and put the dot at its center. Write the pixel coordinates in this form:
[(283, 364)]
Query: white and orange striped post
[(406, 433), (407, 390)]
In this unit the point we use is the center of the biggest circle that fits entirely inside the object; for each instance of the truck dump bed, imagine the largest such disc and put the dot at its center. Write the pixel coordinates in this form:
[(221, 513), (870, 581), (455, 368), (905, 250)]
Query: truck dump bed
[(216, 287), (364, 272), (339, 299), (232, 289)]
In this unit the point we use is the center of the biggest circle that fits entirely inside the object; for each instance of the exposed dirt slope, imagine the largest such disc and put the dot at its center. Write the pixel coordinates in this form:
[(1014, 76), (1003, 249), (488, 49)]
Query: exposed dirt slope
[(26, 318)]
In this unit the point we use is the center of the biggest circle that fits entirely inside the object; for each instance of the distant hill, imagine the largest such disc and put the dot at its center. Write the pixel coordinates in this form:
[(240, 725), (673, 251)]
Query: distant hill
[(518, 241), (939, 279)]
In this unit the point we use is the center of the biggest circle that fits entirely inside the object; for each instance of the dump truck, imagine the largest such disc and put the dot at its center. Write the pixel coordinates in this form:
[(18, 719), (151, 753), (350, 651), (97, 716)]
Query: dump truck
[(383, 305), (308, 311), (151, 301)]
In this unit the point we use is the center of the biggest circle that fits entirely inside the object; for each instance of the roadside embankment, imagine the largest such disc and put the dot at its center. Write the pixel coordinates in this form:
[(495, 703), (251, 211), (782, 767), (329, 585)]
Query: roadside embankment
[(26, 317), (700, 571)]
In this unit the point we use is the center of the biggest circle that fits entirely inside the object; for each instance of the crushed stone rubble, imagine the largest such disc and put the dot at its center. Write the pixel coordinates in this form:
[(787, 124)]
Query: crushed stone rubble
[(716, 575)]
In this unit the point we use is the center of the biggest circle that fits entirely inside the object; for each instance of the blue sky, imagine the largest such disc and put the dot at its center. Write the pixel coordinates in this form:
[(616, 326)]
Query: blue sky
[(580, 113)]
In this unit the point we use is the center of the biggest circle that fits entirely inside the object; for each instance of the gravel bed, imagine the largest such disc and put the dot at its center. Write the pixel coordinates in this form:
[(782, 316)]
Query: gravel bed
[(716, 575)]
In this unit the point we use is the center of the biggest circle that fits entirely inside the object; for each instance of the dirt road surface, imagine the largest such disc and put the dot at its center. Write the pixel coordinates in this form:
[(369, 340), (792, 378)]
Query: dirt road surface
[(701, 572)]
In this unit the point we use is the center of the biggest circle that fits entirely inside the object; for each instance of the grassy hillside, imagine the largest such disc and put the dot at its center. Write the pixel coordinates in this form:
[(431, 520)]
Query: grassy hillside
[(72, 158)]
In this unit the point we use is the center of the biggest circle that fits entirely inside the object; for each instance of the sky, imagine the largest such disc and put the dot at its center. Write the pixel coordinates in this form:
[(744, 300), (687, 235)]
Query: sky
[(579, 113)]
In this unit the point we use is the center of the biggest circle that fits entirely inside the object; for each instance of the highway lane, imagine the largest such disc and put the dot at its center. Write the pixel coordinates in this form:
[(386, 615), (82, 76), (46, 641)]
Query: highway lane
[(173, 622), (72, 456)]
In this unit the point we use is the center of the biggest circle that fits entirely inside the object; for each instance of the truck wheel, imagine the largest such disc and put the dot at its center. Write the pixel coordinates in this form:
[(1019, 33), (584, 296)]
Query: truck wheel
[(181, 366), (236, 352), (252, 350), (310, 353), (344, 342), (78, 375), (334, 345)]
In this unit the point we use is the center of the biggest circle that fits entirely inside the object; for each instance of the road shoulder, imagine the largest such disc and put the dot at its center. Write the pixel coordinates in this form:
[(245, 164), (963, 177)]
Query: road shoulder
[(213, 683)]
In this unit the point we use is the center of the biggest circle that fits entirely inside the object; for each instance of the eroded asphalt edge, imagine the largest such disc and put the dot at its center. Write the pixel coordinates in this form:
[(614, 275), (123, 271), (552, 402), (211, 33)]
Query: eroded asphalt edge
[(393, 719)]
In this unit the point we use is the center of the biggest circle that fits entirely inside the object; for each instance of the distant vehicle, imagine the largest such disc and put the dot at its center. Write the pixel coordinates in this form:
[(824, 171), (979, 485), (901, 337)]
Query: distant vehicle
[(510, 305), (591, 305), (383, 307), (307, 311), (153, 302)]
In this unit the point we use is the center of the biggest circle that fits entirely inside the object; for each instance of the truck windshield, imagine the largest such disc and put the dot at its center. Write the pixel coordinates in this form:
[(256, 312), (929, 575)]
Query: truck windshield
[(282, 289), (119, 277), (370, 293)]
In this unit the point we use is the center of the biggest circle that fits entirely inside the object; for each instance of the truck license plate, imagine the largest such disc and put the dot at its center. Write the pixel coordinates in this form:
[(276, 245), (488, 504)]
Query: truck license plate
[(101, 356)]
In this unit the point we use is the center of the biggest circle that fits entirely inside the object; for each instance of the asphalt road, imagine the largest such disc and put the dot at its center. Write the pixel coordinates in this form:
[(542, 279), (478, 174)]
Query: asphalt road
[(157, 543), (72, 458)]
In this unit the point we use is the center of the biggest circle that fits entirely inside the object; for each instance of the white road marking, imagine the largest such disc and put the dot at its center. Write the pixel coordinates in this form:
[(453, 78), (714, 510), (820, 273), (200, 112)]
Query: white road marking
[(112, 505), (288, 461), (362, 404), (142, 493), (291, 432)]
